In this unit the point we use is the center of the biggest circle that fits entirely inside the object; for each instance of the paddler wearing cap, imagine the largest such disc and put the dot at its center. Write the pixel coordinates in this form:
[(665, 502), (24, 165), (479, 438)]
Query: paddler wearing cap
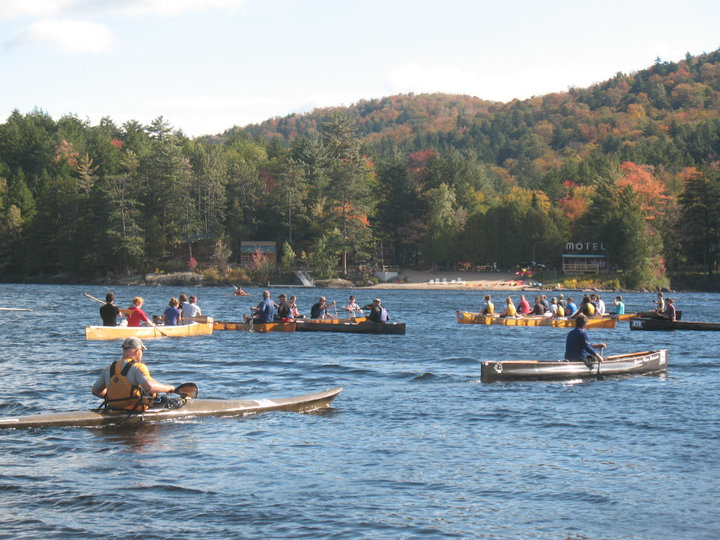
[(126, 384), (378, 314)]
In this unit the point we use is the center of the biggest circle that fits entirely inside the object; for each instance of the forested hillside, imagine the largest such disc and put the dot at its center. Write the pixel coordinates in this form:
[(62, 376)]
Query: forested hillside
[(415, 180)]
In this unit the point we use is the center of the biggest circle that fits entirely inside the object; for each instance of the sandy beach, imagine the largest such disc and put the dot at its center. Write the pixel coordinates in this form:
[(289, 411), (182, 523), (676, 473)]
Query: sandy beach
[(490, 281)]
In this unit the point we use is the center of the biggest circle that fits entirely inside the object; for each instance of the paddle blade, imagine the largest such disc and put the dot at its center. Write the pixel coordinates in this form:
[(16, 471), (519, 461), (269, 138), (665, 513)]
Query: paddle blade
[(187, 390)]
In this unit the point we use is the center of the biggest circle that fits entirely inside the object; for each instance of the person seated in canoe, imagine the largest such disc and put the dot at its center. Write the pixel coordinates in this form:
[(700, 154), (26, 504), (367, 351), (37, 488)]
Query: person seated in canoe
[(126, 384), (619, 306), (601, 309), (524, 306), (546, 303), (353, 309), (191, 309), (172, 315), (660, 303), (670, 312), (586, 308), (539, 308), (284, 311), (489, 309), (571, 307), (109, 312), (265, 310), (138, 315), (378, 314), (294, 312), (239, 291), (510, 310), (577, 343), (319, 310)]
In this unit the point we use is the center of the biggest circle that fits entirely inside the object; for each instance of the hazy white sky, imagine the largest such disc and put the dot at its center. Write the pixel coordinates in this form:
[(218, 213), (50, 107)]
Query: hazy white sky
[(207, 65)]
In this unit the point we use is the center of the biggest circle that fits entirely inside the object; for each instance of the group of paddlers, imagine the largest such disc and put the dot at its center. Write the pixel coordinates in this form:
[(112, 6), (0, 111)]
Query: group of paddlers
[(269, 311), (178, 310), (591, 305)]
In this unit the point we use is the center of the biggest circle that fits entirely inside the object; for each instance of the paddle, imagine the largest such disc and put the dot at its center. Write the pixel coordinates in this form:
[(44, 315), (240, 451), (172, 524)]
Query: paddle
[(122, 310), (600, 377), (186, 390)]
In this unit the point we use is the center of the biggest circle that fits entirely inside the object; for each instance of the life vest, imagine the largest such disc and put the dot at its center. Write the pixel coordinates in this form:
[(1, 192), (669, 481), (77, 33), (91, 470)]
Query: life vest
[(560, 311), (121, 395), (490, 308), (590, 309), (510, 310)]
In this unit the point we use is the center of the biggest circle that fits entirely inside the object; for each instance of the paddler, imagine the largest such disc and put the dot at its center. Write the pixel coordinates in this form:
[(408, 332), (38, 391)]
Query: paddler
[(109, 311), (577, 344), (127, 385)]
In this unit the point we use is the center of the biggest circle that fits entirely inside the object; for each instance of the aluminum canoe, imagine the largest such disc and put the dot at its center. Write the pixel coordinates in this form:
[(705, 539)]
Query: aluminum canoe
[(637, 363), (191, 408), (658, 323)]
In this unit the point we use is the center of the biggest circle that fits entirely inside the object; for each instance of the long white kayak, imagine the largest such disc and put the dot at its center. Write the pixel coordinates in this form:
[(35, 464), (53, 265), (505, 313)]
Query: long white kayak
[(191, 408)]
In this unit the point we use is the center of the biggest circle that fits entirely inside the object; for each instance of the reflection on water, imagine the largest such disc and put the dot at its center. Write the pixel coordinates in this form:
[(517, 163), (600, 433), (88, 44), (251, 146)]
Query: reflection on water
[(415, 445)]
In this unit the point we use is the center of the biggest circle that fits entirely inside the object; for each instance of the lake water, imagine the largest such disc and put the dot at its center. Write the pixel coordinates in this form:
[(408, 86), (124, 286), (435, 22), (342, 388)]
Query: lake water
[(415, 445)]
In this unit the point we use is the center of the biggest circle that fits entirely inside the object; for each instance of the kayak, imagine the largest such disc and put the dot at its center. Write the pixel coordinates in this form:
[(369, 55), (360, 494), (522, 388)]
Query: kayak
[(538, 370), (365, 327), (658, 323), (149, 332), (465, 317), (191, 408)]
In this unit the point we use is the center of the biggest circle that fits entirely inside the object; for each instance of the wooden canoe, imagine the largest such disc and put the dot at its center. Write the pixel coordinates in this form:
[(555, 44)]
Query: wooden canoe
[(365, 327), (191, 408), (536, 370), (150, 332), (658, 323), (465, 317), (255, 327)]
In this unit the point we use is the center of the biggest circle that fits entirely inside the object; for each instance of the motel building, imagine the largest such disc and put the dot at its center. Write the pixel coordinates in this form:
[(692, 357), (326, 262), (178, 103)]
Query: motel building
[(584, 258)]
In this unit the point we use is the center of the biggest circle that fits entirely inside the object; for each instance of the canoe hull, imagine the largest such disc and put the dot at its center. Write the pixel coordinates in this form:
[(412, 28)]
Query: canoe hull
[(533, 370), (255, 327), (366, 327), (192, 408), (657, 323), (466, 317), (149, 332)]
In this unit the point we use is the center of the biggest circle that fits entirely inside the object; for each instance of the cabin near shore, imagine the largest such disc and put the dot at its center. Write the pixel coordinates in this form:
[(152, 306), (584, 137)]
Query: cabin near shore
[(250, 248), (585, 258)]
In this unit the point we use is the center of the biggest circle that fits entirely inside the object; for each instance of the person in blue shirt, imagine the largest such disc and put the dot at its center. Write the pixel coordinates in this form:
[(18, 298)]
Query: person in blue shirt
[(577, 344), (265, 310), (571, 308), (172, 314)]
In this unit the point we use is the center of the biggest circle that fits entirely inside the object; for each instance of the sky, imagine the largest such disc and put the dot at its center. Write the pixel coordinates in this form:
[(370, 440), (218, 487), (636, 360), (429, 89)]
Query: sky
[(208, 65)]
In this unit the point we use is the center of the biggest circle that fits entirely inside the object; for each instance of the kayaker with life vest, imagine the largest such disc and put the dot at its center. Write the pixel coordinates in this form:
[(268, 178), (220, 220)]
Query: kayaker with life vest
[(109, 311), (577, 343), (138, 315), (127, 385), (378, 314)]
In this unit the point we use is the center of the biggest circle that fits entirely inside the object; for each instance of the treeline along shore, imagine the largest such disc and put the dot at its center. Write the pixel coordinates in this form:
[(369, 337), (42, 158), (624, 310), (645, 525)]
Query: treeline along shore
[(419, 181)]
